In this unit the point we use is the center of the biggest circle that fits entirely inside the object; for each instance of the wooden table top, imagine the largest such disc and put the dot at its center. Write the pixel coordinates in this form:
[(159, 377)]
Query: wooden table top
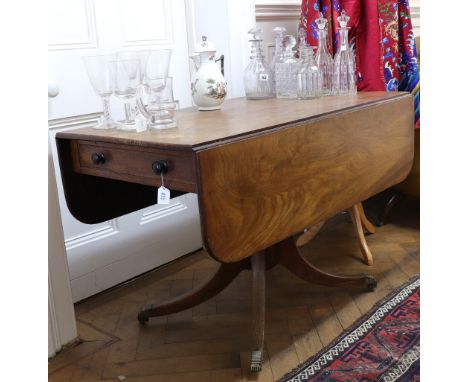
[(263, 170), (237, 119)]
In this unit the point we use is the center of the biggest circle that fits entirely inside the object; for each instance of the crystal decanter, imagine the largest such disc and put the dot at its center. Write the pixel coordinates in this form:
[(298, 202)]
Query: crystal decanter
[(323, 58), (278, 32), (286, 70), (302, 37), (308, 79), (344, 72), (258, 78)]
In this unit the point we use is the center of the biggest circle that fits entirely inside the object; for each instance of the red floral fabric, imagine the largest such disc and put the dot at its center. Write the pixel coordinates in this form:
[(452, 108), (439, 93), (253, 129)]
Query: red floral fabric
[(381, 34)]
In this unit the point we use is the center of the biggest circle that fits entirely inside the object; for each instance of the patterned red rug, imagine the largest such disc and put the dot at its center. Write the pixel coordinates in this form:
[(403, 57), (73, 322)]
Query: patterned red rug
[(381, 346)]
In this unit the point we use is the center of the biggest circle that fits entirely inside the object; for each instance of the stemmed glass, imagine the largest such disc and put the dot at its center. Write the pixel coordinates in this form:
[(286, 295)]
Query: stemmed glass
[(140, 55), (157, 65), (125, 76), (98, 69)]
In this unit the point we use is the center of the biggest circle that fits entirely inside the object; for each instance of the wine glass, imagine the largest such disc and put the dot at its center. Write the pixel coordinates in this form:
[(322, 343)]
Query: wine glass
[(125, 76), (157, 65), (140, 55), (98, 69)]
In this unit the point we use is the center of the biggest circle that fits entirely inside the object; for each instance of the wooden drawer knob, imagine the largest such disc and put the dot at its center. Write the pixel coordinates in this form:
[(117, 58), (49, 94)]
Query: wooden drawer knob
[(160, 167), (98, 158)]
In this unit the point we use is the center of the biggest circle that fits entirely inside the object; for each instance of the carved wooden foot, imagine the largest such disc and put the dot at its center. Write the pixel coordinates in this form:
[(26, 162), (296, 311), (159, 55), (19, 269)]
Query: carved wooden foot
[(366, 224), (258, 309), (356, 218), (221, 279), (289, 256)]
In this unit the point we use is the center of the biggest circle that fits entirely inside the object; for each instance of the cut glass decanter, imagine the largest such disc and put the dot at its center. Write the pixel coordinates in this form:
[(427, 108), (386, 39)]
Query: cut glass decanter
[(258, 78), (308, 79), (323, 58), (344, 73), (279, 33), (286, 70)]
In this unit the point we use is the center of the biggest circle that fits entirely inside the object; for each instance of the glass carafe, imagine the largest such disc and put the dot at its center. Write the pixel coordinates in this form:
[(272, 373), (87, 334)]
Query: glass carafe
[(344, 73), (278, 32), (286, 70), (308, 79), (323, 58), (258, 78)]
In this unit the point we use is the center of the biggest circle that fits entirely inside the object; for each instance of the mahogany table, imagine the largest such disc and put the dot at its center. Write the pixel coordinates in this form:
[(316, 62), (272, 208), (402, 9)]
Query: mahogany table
[(263, 171)]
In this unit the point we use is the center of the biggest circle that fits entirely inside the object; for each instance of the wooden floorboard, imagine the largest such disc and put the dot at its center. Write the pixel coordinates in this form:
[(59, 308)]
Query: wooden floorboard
[(211, 342)]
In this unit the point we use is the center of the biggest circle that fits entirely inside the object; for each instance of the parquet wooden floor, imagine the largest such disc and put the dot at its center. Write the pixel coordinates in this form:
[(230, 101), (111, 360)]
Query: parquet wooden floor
[(210, 342)]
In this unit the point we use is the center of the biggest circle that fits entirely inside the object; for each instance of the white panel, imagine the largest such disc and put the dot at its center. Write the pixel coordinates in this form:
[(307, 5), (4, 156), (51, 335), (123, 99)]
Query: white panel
[(71, 24), (88, 237), (83, 287), (74, 231), (114, 248), (103, 255), (267, 27), (151, 214), (146, 22), (165, 249), (241, 18), (62, 327), (228, 32)]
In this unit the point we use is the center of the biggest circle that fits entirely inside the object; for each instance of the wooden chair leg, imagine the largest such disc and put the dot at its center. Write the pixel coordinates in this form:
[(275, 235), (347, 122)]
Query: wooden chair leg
[(289, 256), (308, 235), (356, 218), (396, 197), (367, 225), (220, 280), (258, 309)]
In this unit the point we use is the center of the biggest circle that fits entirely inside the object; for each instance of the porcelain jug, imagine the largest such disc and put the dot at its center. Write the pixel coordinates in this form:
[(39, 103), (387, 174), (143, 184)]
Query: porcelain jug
[(207, 83)]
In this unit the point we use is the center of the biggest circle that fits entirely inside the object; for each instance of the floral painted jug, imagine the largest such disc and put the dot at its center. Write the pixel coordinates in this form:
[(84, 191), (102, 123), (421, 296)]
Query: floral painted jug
[(208, 84)]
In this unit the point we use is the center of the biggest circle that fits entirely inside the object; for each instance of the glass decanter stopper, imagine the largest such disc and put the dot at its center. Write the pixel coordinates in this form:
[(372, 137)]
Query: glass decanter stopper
[(323, 57), (302, 37), (308, 79), (286, 70), (278, 32), (344, 73), (258, 78)]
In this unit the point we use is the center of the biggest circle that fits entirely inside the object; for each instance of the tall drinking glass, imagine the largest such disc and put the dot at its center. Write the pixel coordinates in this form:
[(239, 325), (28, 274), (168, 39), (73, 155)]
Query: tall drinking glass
[(157, 65), (140, 55), (160, 108), (125, 76), (98, 69)]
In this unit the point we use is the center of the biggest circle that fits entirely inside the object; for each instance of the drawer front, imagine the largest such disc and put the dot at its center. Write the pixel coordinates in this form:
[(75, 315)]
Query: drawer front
[(134, 164)]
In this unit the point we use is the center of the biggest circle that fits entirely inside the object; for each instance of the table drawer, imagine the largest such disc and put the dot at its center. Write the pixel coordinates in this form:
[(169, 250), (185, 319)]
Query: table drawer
[(134, 164)]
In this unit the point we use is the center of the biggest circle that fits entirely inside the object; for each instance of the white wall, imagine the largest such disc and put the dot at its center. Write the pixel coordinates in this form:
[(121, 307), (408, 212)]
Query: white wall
[(230, 38), (275, 13), (62, 326)]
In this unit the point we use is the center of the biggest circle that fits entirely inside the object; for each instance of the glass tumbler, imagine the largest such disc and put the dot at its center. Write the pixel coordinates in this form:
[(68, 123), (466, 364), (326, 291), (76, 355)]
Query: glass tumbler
[(160, 107)]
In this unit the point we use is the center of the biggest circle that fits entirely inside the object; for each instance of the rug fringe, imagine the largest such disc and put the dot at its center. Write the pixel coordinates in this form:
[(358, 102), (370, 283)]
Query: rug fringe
[(287, 377)]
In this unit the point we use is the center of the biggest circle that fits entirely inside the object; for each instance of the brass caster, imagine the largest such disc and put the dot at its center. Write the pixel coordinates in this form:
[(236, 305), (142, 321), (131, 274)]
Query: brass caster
[(143, 315), (371, 283), (256, 361)]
